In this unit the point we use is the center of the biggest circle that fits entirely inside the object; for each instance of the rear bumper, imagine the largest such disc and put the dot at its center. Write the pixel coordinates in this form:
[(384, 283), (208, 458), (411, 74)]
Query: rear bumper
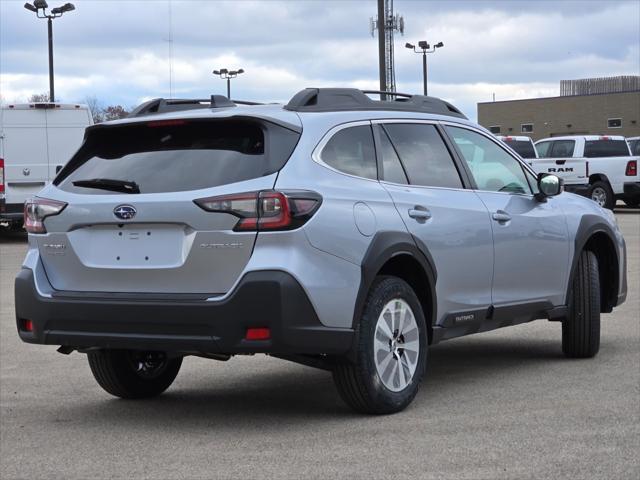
[(271, 299), (10, 211), (632, 190), (579, 189)]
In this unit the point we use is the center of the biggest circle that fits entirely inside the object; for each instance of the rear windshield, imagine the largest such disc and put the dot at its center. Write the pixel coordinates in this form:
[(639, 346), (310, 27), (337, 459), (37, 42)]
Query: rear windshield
[(523, 148), (176, 155), (606, 148)]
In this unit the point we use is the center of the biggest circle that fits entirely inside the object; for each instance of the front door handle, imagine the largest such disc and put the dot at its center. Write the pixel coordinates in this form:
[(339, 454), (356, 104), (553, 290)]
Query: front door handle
[(501, 216), (419, 213)]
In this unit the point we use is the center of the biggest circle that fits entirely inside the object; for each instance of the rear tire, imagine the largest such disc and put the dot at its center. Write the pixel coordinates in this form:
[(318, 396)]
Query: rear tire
[(581, 330), (602, 194), (390, 353), (132, 374)]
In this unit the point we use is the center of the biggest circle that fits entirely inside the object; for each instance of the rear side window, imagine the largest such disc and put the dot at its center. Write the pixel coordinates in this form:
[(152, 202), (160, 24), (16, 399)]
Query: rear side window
[(606, 148), (522, 148), (424, 155), (634, 146), (351, 151), (392, 170), (176, 155)]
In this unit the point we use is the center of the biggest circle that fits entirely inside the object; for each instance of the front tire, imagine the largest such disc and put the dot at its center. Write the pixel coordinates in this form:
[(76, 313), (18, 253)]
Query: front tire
[(581, 330), (390, 353), (132, 374), (602, 194)]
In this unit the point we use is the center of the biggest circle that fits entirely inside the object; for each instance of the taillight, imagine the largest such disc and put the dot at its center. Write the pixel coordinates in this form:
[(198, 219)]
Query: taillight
[(265, 210), (1, 175), (36, 210), (632, 168)]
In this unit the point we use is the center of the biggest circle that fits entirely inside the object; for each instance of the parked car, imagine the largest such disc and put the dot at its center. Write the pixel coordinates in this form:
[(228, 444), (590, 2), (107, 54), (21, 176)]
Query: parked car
[(336, 231), (634, 145), (36, 140), (521, 144), (597, 166)]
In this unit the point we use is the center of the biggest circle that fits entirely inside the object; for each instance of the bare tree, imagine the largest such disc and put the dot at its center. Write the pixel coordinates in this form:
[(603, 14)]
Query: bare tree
[(115, 112), (95, 107), (38, 97)]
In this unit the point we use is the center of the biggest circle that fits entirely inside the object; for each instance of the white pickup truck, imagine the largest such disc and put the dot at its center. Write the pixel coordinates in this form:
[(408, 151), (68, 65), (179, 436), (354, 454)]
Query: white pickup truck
[(521, 144), (596, 166)]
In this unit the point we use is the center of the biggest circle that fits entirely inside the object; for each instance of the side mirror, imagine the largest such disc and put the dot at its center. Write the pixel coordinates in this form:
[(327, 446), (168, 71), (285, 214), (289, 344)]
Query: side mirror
[(549, 185)]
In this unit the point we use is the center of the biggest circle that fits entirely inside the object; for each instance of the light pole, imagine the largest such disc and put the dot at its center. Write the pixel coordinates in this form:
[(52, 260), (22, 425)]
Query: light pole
[(39, 7), (423, 47), (227, 75)]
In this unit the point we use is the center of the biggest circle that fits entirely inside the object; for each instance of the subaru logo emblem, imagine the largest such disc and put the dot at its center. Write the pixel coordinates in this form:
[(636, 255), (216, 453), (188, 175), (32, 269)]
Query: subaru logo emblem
[(26, 172), (124, 212)]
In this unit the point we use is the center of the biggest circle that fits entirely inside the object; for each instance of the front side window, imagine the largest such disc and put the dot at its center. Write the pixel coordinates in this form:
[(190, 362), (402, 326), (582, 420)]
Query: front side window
[(424, 155), (562, 148), (493, 169), (543, 149), (351, 151)]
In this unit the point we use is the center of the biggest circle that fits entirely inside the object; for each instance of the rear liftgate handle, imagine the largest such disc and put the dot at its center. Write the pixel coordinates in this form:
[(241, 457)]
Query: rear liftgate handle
[(420, 213)]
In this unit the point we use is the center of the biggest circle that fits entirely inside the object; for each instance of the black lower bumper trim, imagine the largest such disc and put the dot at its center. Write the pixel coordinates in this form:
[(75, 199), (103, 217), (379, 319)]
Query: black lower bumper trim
[(632, 190), (271, 299)]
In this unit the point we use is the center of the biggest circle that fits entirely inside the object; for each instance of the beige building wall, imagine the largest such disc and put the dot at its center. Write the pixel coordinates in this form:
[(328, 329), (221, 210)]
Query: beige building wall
[(568, 115)]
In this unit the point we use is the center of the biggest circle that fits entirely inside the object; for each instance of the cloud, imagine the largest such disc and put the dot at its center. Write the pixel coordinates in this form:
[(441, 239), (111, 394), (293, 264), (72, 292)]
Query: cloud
[(119, 50)]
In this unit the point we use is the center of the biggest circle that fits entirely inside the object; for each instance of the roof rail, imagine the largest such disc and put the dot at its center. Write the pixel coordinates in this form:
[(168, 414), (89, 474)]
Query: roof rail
[(344, 99), (163, 105)]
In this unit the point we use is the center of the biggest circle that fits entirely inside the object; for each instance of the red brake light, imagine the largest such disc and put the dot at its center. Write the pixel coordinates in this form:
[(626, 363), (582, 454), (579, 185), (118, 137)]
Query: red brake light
[(1, 175), (266, 210), (27, 325), (36, 210), (259, 333), (165, 123), (632, 168)]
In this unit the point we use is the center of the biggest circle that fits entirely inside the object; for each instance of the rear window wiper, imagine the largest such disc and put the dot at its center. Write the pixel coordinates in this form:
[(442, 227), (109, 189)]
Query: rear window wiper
[(110, 184)]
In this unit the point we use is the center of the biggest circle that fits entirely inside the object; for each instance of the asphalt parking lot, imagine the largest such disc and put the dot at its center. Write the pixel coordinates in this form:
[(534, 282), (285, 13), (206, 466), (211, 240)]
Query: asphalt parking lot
[(504, 404)]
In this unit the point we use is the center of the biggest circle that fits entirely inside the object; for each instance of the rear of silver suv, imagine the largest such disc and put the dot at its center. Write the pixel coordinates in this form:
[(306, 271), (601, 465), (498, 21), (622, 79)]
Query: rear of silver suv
[(336, 231)]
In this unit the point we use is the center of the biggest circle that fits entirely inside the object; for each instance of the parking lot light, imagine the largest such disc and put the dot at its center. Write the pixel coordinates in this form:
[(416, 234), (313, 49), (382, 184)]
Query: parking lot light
[(39, 7), (424, 48), (227, 75)]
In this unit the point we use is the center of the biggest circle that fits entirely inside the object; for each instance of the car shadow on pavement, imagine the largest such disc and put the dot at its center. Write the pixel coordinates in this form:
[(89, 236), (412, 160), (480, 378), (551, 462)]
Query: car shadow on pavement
[(12, 236), (283, 397)]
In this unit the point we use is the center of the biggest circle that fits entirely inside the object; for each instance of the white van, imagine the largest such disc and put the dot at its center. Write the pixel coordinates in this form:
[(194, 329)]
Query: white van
[(36, 140)]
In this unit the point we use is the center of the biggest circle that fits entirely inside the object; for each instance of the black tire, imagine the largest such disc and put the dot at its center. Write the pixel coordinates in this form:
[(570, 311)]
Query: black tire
[(358, 383), (600, 187), (122, 373), (581, 330)]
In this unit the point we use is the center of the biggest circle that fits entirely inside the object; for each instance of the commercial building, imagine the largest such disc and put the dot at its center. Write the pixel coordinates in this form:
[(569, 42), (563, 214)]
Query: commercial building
[(596, 106)]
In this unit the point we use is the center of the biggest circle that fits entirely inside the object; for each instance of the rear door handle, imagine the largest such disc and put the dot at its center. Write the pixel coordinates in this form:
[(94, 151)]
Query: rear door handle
[(501, 216), (419, 213)]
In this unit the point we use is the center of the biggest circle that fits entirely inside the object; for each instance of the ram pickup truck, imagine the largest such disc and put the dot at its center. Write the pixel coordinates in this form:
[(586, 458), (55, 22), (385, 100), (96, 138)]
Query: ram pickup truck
[(597, 166), (520, 144)]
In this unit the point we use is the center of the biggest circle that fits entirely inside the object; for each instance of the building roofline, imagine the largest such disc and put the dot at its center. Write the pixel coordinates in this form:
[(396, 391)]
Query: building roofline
[(559, 96)]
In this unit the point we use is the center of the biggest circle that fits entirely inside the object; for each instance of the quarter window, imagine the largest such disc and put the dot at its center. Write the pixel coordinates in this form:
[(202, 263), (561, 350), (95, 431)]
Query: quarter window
[(351, 151), (492, 167), (424, 155)]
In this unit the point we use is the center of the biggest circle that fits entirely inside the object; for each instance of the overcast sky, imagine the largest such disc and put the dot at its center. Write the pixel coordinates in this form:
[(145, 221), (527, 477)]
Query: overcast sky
[(119, 50)]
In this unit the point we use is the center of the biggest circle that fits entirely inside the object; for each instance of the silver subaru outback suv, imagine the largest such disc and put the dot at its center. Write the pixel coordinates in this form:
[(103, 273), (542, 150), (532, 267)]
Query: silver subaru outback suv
[(336, 231)]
